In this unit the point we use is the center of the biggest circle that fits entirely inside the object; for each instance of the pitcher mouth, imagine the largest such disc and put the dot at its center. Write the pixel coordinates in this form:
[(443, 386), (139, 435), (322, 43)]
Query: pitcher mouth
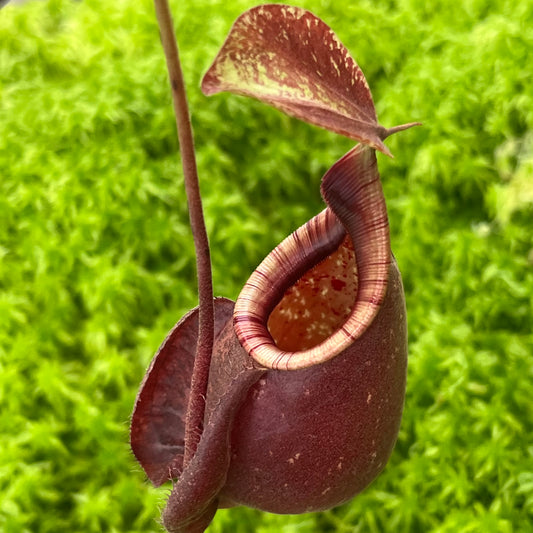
[(318, 304), (277, 312), (274, 318)]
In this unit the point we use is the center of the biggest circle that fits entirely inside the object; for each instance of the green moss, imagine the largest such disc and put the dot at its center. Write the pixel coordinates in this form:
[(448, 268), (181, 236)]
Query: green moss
[(96, 258)]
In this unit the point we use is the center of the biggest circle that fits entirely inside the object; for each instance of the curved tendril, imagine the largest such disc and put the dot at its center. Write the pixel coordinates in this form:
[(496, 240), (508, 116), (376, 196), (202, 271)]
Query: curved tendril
[(195, 411)]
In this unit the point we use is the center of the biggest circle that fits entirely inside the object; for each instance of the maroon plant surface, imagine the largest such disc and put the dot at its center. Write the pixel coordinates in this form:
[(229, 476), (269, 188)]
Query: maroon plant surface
[(290, 399)]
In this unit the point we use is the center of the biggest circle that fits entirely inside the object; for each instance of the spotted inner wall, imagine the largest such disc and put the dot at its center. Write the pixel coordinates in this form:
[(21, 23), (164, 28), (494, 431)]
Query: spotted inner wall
[(318, 303)]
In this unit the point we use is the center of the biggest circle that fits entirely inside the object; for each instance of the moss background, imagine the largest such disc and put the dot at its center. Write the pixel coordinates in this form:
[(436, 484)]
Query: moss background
[(96, 259)]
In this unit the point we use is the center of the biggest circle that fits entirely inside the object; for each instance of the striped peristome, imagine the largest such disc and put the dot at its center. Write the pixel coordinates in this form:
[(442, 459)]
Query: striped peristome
[(356, 206)]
